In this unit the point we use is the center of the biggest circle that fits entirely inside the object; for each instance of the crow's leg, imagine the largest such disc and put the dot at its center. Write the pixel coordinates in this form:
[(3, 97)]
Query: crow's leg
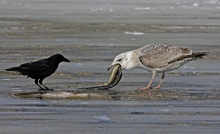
[(36, 82), (41, 82)]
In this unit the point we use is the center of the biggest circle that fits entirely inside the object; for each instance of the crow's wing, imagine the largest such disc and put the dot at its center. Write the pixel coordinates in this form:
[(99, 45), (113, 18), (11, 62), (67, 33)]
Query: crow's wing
[(35, 67)]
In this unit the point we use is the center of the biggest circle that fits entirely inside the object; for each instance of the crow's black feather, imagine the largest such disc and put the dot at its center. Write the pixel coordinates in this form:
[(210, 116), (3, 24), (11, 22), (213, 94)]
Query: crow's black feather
[(40, 69)]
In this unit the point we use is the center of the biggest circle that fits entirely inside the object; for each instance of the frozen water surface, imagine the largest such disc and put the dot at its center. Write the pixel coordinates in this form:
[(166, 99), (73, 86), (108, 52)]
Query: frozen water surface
[(91, 34)]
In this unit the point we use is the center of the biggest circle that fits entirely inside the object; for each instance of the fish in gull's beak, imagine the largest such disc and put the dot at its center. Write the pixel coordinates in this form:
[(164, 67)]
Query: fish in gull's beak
[(111, 66)]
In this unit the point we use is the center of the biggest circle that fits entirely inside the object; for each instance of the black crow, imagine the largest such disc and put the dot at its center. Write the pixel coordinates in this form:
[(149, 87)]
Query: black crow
[(40, 69)]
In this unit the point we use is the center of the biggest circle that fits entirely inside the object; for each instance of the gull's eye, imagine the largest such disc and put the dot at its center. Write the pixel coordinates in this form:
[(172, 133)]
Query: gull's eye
[(119, 60)]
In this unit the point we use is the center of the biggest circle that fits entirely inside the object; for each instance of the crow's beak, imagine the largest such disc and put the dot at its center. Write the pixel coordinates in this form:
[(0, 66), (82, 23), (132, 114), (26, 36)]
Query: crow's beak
[(66, 60)]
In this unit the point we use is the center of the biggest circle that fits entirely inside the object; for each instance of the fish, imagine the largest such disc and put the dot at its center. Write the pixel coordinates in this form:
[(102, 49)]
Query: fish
[(114, 79)]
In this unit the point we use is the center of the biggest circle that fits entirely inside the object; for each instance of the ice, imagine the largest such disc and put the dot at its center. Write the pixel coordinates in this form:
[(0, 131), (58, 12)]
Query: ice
[(134, 33), (143, 8), (102, 118), (165, 110), (101, 9), (212, 2), (196, 4)]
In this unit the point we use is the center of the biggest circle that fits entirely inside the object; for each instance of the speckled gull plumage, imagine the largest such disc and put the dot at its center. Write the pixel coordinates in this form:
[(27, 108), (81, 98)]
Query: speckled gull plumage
[(159, 55), (156, 58)]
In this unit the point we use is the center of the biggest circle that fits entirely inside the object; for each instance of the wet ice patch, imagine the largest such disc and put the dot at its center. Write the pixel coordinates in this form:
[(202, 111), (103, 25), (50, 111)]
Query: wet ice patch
[(165, 110), (142, 8), (213, 2), (17, 89), (134, 33), (6, 79), (187, 67), (195, 4), (101, 9), (102, 118)]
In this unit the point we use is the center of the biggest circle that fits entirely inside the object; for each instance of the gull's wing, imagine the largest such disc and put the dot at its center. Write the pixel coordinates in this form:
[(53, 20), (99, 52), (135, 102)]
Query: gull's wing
[(160, 55)]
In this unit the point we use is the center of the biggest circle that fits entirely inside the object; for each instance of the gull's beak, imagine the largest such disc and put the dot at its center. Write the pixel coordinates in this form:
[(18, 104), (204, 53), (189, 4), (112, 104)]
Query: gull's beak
[(110, 67)]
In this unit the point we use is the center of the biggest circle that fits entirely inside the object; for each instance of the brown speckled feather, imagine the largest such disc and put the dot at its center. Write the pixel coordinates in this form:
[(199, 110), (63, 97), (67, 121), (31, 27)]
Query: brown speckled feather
[(160, 55)]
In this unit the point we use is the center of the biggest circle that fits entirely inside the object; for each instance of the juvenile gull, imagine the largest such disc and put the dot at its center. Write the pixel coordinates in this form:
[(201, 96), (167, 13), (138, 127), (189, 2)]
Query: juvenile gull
[(156, 58)]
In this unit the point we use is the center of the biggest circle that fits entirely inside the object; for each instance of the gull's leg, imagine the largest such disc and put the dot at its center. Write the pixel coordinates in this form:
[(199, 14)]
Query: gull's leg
[(149, 84), (36, 82), (161, 81)]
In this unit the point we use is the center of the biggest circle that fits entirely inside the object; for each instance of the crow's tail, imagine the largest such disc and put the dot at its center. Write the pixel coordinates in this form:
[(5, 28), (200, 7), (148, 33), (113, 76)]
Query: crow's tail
[(13, 69)]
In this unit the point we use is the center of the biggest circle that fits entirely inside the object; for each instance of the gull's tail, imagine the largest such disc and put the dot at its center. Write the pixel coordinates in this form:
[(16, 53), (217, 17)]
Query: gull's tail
[(198, 55)]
